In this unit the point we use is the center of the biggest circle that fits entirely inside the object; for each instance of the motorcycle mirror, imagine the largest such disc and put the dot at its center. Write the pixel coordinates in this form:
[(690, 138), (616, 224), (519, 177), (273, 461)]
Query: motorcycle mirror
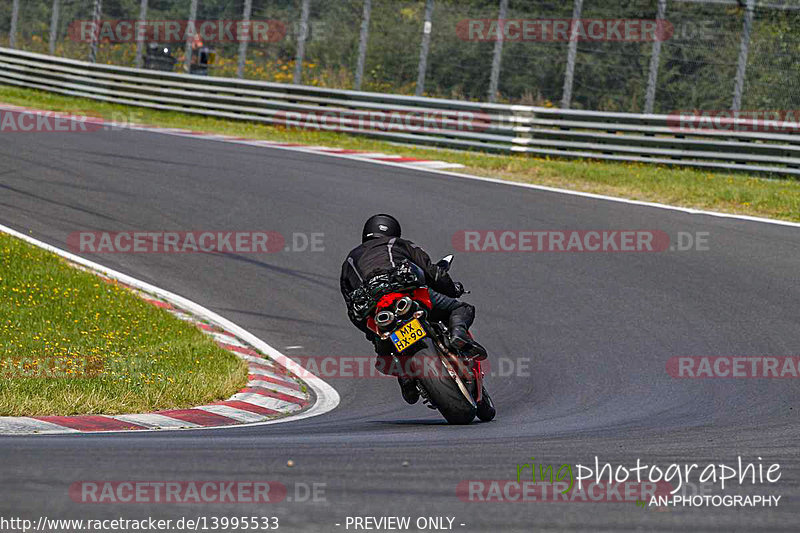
[(445, 262)]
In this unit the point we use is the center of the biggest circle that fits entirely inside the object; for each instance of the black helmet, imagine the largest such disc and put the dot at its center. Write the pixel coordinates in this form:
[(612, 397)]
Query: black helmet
[(380, 226)]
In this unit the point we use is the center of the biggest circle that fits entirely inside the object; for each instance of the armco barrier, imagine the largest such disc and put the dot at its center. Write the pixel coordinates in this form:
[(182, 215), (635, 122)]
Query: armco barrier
[(540, 131)]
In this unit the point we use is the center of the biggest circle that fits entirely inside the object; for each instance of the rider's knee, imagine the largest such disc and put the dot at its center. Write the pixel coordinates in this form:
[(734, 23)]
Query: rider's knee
[(468, 307)]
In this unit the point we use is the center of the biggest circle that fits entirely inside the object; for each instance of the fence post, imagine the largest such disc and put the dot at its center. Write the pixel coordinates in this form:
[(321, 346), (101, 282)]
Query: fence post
[(494, 78), (566, 97), (139, 36), (191, 32), (652, 76), (301, 42), (54, 26), (248, 8), (96, 15), (12, 35), (424, 47), (362, 44), (744, 48)]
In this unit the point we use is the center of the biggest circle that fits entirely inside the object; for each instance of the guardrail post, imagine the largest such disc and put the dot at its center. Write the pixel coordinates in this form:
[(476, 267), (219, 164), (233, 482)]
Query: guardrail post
[(424, 47), (744, 47), (652, 77), (140, 37), (494, 78), (248, 8), (566, 97), (54, 26), (362, 44), (305, 10), (191, 32), (520, 119), (96, 15), (12, 34)]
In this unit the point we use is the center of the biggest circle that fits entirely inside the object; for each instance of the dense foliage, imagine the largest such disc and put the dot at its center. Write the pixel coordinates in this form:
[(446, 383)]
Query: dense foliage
[(696, 70)]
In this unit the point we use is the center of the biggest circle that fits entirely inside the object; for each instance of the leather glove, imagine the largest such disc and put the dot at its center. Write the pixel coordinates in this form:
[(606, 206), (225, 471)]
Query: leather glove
[(459, 288)]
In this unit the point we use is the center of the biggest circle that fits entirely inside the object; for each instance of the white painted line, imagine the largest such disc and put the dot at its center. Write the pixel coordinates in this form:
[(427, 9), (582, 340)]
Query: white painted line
[(156, 421), (331, 149), (23, 424), (370, 156), (245, 417), (168, 131), (278, 388), (689, 210), (261, 142), (365, 155), (433, 164)]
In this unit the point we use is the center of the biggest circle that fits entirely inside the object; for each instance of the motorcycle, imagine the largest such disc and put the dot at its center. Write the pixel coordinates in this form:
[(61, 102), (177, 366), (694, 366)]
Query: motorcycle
[(447, 380)]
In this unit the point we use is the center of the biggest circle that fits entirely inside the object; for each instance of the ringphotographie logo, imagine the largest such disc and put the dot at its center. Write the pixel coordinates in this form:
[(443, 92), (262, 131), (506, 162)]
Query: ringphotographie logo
[(561, 30), (177, 31), (184, 242), (645, 484)]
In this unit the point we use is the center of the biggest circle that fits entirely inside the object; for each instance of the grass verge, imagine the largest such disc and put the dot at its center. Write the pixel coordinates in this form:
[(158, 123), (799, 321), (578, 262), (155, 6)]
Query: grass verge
[(70, 343), (727, 192)]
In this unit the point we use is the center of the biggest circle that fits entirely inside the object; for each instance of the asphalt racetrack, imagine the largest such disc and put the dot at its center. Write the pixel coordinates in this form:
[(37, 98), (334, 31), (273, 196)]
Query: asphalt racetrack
[(579, 341)]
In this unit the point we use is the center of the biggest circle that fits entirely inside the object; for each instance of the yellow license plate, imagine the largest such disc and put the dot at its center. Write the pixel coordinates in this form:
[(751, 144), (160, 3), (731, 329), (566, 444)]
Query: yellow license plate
[(408, 335)]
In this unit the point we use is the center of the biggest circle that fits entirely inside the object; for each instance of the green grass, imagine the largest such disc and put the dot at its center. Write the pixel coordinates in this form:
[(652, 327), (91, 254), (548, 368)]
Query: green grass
[(71, 343), (727, 192)]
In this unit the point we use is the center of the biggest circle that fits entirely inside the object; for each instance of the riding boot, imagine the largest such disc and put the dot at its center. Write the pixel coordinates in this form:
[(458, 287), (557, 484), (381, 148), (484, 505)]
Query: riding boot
[(461, 319)]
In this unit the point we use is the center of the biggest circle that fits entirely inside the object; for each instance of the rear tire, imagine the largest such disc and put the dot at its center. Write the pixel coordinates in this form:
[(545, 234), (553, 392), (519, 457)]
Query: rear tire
[(441, 387), (486, 410)]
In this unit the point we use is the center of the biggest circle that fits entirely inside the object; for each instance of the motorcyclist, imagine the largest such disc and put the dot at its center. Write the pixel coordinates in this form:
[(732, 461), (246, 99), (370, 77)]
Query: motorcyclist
[(381, 251)]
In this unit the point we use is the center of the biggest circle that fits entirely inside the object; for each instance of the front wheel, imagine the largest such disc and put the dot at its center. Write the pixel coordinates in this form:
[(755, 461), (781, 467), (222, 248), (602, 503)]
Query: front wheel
[(442, 389)]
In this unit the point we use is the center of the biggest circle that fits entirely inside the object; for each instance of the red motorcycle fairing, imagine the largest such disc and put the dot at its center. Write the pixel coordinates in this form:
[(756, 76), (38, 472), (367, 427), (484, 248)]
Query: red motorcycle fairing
[(421, 296)]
